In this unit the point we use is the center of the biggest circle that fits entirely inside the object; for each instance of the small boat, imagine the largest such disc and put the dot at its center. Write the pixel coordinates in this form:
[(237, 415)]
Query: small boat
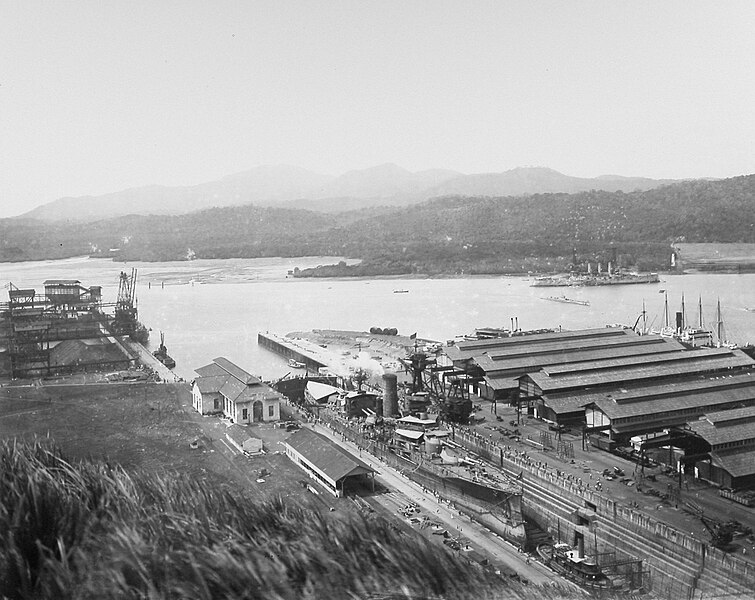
[(567, 561), (567, 300), (295, 364), (161, 353), (400, 291)]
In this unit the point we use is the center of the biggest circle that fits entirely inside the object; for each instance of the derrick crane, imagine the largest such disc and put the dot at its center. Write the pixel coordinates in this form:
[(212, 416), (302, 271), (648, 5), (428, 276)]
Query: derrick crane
[(125, 306), (445, 386)]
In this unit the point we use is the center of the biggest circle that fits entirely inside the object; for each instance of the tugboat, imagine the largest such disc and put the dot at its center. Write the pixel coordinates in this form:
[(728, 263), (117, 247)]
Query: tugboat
[(295, 364), (161, 353), (567, 561)]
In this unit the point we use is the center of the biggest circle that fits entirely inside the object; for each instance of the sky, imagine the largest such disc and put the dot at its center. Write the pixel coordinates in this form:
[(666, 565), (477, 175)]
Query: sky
[(99, 96)]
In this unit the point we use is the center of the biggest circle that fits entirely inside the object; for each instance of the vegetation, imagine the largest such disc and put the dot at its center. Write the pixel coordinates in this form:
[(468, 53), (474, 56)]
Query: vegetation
[(93, 530), (452, 235)]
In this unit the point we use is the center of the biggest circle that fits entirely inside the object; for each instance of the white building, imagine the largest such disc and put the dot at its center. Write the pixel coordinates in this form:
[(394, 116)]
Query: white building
[(224, 388)]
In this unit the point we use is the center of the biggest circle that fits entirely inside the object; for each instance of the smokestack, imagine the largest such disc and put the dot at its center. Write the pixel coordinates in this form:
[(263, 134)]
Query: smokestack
[(390, 394), (517, 323), (679, 322), (610, 267)]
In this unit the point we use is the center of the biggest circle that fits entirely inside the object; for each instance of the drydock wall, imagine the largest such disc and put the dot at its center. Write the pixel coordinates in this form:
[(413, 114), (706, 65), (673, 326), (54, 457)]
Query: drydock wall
[(679, 565)]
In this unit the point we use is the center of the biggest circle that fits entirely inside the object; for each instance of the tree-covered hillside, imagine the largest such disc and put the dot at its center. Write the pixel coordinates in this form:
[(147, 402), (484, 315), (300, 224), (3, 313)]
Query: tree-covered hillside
[(446, 235)]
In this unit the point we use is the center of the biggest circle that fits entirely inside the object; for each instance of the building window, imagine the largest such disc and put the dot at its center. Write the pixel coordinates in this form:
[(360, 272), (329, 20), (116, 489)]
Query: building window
[(244, 414), (271, 410), (216, 403)]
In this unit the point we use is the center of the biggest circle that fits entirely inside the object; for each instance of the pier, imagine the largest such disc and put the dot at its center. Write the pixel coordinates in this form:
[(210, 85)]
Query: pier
[(298, 349)]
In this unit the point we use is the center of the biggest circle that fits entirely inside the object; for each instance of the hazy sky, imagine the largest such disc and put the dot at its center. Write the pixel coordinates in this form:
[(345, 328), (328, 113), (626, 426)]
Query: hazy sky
[(104, 95)]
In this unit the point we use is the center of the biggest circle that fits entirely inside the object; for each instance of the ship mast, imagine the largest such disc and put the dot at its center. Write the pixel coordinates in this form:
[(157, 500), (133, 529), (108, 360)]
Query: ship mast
[(684, 315), (700, 312), (665, 310), (719, 323)]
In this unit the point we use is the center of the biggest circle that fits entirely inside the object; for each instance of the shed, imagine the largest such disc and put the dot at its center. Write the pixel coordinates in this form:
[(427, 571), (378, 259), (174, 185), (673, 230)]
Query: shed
[(240, 438), (326, 462)]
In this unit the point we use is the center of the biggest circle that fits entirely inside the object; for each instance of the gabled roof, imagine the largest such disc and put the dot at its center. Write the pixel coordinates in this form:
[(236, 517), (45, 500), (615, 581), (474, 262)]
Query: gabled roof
[(328, 457), (738, 462), (723, 428), (603, 373), (574, 351), (238, 434), (211, 370), (416, 421), (61, 282), (211, 384), (466, 350), (235, 370)]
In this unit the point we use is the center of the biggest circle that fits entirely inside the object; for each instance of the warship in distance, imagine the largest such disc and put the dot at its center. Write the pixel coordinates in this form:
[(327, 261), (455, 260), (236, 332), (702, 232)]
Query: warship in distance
[(609, 277)]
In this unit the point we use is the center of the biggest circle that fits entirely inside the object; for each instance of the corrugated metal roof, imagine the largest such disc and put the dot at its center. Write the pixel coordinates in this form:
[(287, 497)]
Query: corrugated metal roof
[(726, 417), (696, 400), (335, 462), (737, 462), (502, 383), (697, 363), (617, 363), (645, 391), (741, 427), (469, 349), (553, 354), (50, 282)]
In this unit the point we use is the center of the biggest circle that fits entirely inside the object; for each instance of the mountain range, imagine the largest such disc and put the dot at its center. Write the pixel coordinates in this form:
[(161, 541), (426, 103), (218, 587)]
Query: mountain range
[(294, 187)]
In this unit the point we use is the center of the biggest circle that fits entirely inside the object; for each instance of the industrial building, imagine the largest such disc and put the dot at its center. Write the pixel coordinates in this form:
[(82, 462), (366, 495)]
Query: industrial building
[(628, 411), (730, 435), (556, 393), (67, 328), (333, 467), (225, 388), (495, 365)]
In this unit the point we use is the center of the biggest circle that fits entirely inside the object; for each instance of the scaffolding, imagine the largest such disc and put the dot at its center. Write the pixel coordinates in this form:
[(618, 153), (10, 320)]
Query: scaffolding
[(33, 323)]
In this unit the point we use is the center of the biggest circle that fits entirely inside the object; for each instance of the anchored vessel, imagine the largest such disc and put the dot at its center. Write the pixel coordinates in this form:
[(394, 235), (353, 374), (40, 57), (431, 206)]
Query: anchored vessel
[(162, 355), (295, 364), (566, 300), (599, 279)]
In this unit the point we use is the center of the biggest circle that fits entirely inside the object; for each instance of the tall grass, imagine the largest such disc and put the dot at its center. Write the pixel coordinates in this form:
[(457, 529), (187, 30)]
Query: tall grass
[(92, 530)]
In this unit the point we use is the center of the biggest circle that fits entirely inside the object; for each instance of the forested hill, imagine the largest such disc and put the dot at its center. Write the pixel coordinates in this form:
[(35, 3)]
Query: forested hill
[(445, 235)]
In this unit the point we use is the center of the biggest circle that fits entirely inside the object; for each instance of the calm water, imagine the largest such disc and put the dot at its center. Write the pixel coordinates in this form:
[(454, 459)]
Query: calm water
[(210, 308)]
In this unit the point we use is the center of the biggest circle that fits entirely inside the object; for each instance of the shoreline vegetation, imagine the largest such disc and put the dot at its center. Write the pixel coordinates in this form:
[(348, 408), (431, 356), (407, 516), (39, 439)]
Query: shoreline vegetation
[(92, 529), (539, 233)]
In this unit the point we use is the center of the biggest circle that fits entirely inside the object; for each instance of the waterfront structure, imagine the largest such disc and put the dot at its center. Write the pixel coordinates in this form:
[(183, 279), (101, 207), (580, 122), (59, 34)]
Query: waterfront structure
[(332, 466), (225, 388), (32, 326), (560, 393), (730, 435), (495, 365)]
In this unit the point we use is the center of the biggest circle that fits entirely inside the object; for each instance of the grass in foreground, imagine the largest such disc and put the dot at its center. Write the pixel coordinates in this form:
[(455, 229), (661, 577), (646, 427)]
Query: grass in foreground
[(92, 530)]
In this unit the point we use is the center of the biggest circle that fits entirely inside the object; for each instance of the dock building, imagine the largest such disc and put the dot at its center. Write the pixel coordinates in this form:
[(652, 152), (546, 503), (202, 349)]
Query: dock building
[(730, 436), (495, 365), (332, 466), (558, 393), (225, 388)]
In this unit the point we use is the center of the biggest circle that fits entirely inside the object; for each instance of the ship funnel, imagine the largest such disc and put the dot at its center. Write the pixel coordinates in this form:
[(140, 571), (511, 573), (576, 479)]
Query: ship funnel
[(390, 394), (610, 267)]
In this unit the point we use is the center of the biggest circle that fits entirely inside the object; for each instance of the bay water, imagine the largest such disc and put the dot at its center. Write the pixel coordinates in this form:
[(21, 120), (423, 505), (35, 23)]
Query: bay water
[(211, 308)]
